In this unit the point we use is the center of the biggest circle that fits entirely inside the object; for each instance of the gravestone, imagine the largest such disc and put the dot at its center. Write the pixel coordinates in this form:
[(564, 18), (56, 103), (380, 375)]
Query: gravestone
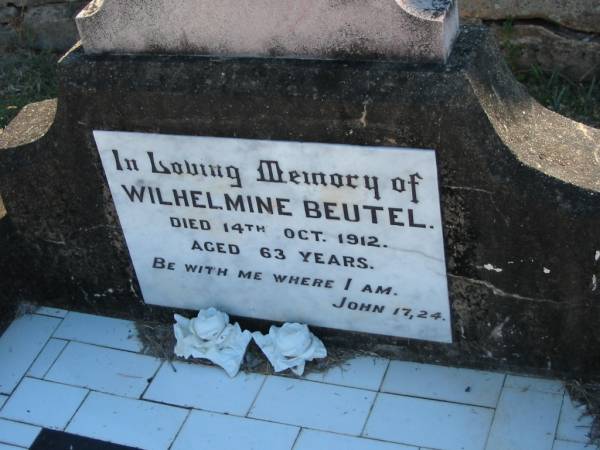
[(337, 236), (365, 178)]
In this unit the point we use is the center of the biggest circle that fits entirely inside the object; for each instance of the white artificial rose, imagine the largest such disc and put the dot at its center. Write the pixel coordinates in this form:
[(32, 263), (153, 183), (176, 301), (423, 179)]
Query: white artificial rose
[(210, 323), (210, 336), (292, 339), (290, 346)]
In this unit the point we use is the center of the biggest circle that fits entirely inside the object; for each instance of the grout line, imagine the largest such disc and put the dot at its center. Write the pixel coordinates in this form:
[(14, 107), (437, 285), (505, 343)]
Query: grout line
[(304, 380), (256, 396), (489, 432), (362, 430), (365, 438), (55, 359), (63, 318), (562, 405), (171, 405), (77, 410), (183, 422), (54, 362), (92, 343), (45, 426), (424, 397), (190, 410), (189, 407), (62, 383), (3, 399), (13, 391), (40, 427), (385, 392), (290, 377), (151, 400), (246, 415), (60, 321), (138, 352), (37, 355), (38, 313), (52, 382), (228, 414), (385, 372), (538, 391), (193, 408), (11, 445), (533, 388), (257, 419), (21, 422), (500, 391), (79, 386), (437, 400), (297, 437), (153, 377)]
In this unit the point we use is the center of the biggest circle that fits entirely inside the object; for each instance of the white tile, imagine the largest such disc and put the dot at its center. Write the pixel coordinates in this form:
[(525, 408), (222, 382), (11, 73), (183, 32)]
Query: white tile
[(472, 387), (51, 311), (365, 372), (429, 423), (314, 405), (103, 369), (46, 358), (321, 440), (128, 422), (564, 445), (574, 423), (534, 384), (43, 403), (19, 346), (203, 387), (98, 330), (9, 447), (3, 399), (17, 433), (221, 432), (525, 420)]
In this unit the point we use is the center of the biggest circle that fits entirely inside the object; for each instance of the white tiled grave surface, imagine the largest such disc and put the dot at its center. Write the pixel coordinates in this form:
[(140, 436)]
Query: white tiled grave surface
[(65, 371)]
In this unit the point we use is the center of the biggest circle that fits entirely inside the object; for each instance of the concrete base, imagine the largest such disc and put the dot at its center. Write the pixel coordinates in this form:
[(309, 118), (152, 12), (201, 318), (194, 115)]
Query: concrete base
[(520, 186)]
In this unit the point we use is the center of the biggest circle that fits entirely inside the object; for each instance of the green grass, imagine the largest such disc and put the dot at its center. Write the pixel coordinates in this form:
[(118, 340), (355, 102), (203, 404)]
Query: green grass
[(579, 100), (25, 77), (576, 99)]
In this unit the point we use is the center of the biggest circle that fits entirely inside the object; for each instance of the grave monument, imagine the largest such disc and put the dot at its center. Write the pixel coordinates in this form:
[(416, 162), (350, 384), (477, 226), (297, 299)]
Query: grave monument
[(367, 168)]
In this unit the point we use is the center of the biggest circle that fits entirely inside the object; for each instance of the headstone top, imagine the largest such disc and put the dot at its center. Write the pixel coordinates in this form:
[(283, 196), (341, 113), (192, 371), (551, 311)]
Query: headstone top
[(407, 30)]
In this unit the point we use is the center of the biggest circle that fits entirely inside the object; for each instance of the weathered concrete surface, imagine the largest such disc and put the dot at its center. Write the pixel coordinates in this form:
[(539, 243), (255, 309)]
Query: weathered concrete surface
[(32, 122), (408, 30), (583, 15), (520, 186)]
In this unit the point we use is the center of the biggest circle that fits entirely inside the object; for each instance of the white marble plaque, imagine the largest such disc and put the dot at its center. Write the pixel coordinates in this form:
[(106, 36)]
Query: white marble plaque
[(338, 236)]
